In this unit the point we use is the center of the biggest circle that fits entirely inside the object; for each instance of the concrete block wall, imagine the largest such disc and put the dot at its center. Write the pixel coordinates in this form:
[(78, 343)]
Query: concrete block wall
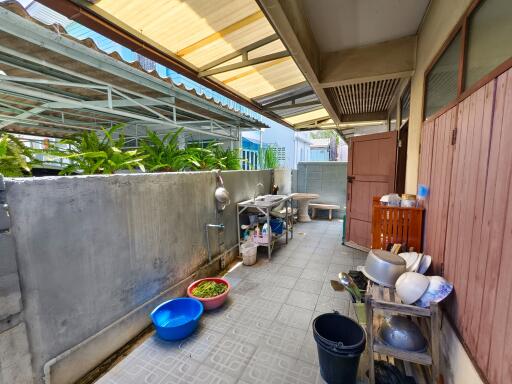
[(328, 179), (15, 359), (96, 253)]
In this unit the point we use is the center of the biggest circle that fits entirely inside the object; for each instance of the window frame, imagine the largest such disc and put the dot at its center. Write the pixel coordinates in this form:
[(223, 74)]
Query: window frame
[(461, 26)]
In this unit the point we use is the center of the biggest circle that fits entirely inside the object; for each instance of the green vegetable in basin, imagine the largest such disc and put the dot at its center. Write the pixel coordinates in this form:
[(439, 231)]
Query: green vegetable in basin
[(209, 289)]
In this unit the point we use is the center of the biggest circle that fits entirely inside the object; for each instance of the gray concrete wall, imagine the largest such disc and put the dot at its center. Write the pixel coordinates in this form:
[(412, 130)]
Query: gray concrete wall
[(15, 359), (96, 253), (328, 179)]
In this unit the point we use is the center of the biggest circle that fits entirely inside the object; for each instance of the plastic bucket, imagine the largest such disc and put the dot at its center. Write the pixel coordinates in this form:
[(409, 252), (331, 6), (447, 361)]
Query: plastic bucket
[(249, 251), (340, 342), (277, 226)]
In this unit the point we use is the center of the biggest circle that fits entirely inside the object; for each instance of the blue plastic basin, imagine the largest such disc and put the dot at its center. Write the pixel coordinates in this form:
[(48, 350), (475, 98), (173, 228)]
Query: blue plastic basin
[(177, 318)]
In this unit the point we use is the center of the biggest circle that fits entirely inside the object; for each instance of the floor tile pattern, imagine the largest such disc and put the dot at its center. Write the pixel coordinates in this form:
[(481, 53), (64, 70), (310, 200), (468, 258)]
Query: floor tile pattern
[(263, 334)]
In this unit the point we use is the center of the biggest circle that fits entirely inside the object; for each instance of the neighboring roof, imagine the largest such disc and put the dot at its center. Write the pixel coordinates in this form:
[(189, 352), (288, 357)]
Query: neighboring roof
[(228, 45), (47, 55), (248, 143), (320, 143)]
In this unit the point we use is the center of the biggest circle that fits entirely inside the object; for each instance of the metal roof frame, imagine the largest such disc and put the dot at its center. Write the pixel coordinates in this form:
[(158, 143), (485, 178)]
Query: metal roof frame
[(85, 13), (54, 91)]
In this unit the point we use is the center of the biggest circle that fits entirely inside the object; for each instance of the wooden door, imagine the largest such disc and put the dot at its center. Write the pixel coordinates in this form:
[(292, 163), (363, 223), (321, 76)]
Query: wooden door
[(371, 172)]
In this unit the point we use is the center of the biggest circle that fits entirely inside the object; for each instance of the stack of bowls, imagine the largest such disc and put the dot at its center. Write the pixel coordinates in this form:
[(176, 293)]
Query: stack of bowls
[(415, 288), (438, 289), (411, 286)]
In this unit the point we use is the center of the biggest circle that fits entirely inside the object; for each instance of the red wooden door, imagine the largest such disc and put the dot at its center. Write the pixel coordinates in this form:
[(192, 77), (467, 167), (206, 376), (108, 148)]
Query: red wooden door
[(371, 172)]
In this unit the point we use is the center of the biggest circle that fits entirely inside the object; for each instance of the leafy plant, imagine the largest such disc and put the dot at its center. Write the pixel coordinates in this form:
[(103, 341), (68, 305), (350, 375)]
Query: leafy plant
[(88, 154), (16, 159), (213, 156), (163, 154), (227, 158), (200, 159), (268, 158), (209, 289)]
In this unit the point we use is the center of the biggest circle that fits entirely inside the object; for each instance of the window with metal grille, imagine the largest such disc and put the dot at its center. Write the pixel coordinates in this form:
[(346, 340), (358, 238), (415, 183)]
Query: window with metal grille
[(281, 153)]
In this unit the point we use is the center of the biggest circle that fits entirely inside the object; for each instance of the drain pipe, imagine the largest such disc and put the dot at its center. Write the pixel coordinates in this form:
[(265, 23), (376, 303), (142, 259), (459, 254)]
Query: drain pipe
[(206, 230)]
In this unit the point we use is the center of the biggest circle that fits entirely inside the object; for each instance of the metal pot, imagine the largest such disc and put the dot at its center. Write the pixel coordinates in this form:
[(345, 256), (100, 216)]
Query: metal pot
[(222, 195), (383, 267), (402, 333)]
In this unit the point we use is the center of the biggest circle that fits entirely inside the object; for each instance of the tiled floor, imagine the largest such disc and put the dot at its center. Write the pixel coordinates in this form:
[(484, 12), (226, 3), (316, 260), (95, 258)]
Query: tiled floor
[(263, 334)]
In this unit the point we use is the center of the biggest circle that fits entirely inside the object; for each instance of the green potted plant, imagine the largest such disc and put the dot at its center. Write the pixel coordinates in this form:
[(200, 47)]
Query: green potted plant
[(163, 154), (268, 158), (89, 154), (16, 159)]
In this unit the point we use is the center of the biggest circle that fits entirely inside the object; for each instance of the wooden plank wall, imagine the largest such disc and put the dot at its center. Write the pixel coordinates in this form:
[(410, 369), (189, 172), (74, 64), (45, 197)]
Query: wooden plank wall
[(441, 166), (469, 220)]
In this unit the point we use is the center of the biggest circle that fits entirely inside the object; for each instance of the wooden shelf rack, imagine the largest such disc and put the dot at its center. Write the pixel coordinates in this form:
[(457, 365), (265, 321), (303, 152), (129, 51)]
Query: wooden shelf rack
[(383, 301)]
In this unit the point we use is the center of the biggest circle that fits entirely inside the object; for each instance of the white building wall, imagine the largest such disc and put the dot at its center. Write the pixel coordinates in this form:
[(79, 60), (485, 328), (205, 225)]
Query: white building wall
[(296, 144)]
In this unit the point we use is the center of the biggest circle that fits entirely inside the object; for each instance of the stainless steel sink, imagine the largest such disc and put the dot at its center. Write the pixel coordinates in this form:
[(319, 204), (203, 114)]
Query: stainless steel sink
[(269, 199)]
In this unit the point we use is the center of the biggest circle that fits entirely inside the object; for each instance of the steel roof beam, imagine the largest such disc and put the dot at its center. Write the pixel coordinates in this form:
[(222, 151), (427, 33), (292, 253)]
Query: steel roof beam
[(295, 105), (27, 30), (288, 99), (92, 80), (16, 89), (29, 113), (245, 63), (240, 52)]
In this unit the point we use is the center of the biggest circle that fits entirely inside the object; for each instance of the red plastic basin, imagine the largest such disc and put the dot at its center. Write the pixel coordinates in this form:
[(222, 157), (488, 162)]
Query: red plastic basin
[(210, 303)]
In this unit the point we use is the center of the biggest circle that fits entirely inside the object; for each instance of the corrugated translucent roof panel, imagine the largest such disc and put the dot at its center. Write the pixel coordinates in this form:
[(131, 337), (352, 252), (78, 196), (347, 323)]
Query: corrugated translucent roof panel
[(201, 32), (308, 116)]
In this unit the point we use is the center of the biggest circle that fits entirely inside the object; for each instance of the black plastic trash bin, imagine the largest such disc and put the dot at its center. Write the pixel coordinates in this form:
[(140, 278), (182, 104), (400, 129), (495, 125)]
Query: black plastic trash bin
[(340, 342)]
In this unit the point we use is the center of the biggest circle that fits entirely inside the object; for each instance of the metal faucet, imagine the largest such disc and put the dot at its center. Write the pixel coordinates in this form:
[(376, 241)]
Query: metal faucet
[(256, 191), (206, 227)]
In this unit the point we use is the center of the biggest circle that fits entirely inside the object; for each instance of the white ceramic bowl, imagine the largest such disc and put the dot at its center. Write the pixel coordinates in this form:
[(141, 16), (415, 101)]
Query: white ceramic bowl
[(410, 258), (410, 286), (425, 263), (438, 289)]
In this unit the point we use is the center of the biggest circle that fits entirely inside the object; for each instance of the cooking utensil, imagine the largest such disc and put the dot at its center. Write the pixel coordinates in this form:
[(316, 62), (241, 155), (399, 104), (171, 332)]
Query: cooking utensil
[(401, 332), (395, 249), (360, 280), (383, 267), (346, 286), (353, 285), (337, 286), (350, 286)]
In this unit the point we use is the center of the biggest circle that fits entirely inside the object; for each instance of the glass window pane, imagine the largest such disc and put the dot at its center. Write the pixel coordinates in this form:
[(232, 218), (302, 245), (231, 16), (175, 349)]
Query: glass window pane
[(442, 78), (489, 39)]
